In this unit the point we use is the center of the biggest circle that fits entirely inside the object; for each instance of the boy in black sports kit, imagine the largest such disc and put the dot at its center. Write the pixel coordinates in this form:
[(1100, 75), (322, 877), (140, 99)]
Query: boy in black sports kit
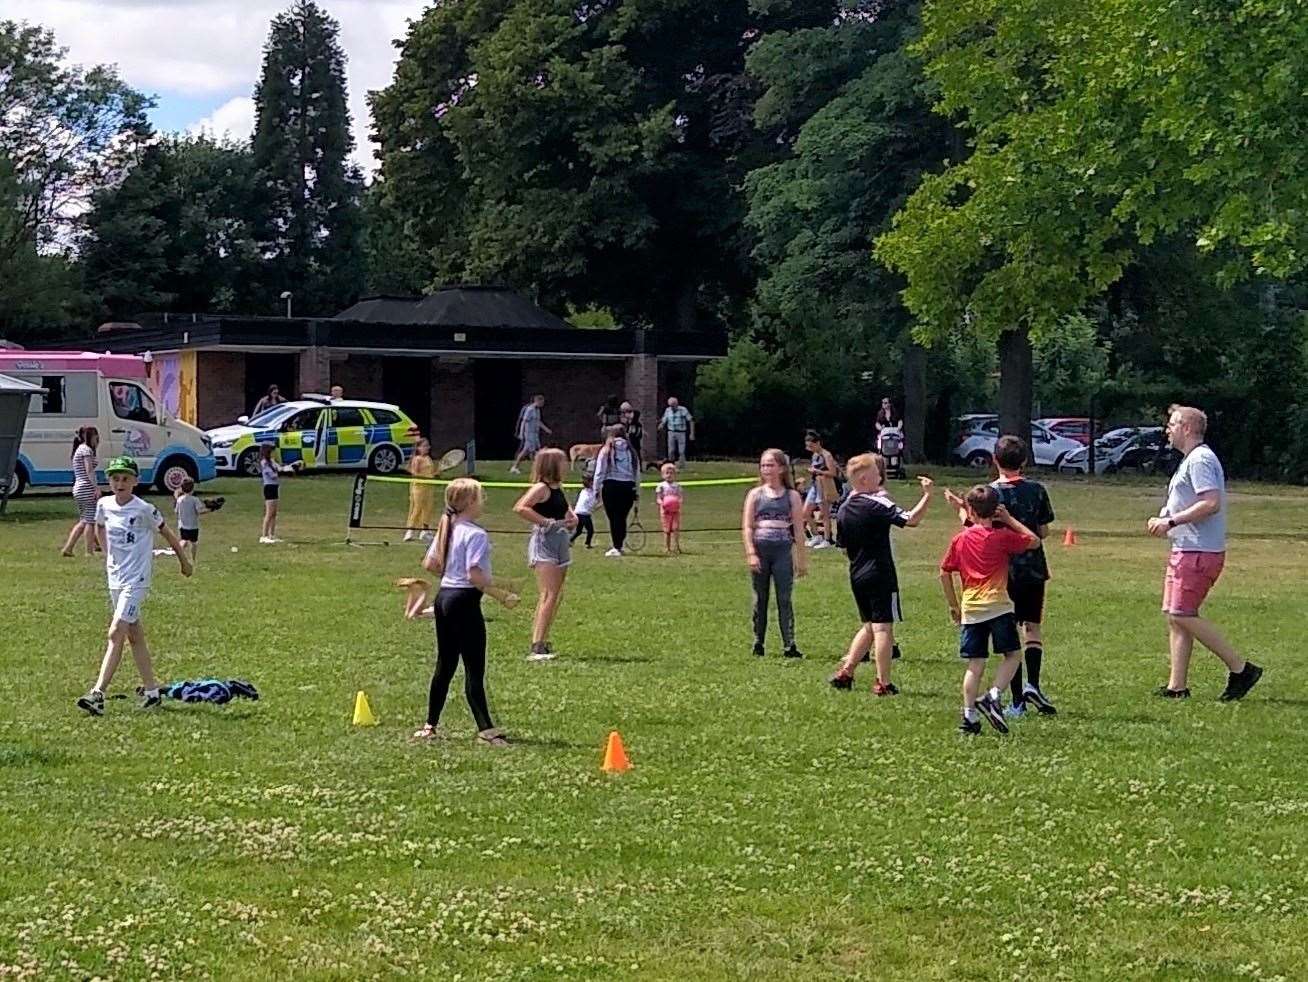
[(1028, 502), (865, 521)]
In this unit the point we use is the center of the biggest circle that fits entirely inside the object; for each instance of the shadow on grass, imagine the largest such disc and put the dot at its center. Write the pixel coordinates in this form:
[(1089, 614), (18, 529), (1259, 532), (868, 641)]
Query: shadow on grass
[(31, 757), (546, 743), (611, 659)]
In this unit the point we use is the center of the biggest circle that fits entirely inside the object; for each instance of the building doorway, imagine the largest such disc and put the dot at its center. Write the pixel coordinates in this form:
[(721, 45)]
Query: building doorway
[(406, 382), (262, 371), (497, 401)]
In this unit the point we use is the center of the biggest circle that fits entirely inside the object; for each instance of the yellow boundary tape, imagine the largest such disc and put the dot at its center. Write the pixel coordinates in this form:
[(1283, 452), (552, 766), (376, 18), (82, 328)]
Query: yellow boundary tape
[(714, 482)]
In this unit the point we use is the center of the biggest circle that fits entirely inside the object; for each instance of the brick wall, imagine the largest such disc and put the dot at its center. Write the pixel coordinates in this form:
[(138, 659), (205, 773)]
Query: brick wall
[(219, 388), (360, 375), (315, 371), (453, 404), (574, 391)]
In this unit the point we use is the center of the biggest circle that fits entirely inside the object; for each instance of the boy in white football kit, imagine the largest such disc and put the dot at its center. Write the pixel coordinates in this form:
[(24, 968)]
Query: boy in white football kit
[(129, 526)]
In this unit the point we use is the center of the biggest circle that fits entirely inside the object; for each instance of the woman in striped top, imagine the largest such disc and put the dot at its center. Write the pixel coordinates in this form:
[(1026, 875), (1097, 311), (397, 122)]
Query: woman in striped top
[(86, 491)]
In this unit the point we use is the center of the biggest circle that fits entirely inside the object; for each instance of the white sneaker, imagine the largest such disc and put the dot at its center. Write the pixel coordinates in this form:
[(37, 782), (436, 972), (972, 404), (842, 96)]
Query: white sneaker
[(409, 536), (514, 470), (427, 535), (541, 656), (813, 540), (824, 544), (265, 540), (613, 552)]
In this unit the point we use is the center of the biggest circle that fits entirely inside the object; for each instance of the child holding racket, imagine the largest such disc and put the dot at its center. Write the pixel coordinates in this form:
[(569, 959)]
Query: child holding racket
[(422, 497), (270, 473), (461, 555)]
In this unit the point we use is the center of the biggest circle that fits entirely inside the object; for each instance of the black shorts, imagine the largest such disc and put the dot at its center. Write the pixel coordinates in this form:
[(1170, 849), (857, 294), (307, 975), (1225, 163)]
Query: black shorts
[(999, 633), (877, 601), (188, 535), (1028, 600), (270, 492)]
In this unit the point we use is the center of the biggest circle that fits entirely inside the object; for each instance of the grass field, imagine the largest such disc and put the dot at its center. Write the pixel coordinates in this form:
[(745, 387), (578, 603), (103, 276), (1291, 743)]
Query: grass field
[(771, 827)]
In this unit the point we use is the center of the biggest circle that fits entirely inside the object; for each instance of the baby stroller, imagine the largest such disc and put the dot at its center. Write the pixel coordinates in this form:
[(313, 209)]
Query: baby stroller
[(890, 444)]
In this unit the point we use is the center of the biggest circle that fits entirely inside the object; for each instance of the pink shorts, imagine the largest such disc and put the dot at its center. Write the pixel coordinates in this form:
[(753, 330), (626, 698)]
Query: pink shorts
[(671, 519), (1190, 575)]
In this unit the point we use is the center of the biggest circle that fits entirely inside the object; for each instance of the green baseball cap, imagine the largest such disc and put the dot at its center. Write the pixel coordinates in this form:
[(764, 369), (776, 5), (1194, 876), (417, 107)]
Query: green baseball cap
[(122, 465)]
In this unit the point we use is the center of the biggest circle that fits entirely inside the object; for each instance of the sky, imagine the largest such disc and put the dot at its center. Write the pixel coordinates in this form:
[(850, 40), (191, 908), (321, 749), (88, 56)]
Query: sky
[(200, 59)]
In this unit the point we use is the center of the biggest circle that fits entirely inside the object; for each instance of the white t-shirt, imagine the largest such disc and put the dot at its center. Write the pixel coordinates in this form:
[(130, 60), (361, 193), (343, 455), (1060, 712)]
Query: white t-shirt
[(469, 546), (585, 502), (1200, 471), (129, 531), (529, 422)]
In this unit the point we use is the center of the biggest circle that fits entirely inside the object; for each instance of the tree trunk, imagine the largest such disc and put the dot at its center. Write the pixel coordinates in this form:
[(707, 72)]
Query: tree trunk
[(915, 403), (1015, 383)]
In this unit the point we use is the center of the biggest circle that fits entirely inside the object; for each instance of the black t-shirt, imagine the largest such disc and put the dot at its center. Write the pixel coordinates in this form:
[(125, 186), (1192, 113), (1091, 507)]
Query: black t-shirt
[(864, 523), (1028, 502)]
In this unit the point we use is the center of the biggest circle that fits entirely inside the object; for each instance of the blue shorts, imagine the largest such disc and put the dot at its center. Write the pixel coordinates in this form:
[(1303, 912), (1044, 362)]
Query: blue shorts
[(999, 633)]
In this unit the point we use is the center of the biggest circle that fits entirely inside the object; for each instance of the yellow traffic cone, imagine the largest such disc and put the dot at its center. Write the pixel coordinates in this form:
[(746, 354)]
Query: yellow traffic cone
[(362, 711)]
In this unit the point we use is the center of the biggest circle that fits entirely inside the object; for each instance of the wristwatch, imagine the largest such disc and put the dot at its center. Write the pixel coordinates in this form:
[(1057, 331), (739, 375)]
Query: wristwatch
[(1171, 523)]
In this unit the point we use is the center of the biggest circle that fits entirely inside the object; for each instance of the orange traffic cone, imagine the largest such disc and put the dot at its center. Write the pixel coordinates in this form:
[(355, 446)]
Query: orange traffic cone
[(615, 757), (1069, 537)]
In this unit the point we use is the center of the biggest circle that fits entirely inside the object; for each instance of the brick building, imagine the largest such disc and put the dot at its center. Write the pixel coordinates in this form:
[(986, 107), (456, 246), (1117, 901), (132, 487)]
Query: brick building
[(460, 362)]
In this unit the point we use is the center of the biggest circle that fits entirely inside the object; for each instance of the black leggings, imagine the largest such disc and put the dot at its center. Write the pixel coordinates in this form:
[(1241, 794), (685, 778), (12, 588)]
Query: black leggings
[(584, 524), (460, 633), (618, 498)]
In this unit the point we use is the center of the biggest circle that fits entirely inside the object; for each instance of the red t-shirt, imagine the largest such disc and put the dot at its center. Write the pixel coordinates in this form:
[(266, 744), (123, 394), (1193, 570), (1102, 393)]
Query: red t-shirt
[(979, 555)]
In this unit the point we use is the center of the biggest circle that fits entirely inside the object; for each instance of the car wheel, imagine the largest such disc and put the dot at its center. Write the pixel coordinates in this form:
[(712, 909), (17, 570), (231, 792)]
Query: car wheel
[(248, 463), (173, 472), (384, 460), (978, 460), (17, 481)]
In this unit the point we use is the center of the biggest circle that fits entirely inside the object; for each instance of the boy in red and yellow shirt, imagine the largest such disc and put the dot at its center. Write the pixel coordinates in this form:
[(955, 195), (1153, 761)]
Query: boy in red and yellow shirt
[(979, 555)]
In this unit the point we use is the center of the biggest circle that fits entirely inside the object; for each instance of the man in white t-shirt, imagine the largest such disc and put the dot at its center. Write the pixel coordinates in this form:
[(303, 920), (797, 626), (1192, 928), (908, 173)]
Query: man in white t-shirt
[(1194, 519), (528, 430), (129, 526), (680, 426)]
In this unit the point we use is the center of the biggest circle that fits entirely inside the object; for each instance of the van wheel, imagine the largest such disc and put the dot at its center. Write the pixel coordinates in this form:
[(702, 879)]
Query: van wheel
[(248, 463), (978, 459), (17, 481), (173, 472), (384, 460)]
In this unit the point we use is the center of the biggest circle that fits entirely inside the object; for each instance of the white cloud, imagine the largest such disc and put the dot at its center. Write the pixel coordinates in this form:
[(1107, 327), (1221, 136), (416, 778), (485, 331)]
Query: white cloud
[(197, 48), (234, 119)]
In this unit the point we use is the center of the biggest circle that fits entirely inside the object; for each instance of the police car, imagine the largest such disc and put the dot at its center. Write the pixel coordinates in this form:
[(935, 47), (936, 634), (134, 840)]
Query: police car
[(318, 432)]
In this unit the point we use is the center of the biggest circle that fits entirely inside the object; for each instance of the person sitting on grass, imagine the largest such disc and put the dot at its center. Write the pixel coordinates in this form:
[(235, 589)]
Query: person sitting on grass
[(979, 554), (865, 521), (129, 526)]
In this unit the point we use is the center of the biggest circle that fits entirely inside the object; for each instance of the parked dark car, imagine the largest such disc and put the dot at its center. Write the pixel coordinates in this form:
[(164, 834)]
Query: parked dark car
[(1151, 454)]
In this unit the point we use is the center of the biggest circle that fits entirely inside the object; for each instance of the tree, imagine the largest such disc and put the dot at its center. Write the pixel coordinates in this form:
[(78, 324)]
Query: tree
[(393, 263), (307, 195), (1096, 128), (585, 153), (175, 234), (64, 131), (854, 108)]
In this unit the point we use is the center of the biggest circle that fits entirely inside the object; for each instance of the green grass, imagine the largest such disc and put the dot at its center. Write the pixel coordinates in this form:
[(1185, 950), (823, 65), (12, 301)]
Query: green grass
[(771, 828)]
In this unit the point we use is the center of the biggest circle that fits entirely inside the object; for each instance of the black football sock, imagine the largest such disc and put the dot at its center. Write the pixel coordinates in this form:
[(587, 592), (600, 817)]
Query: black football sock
[(1034, 655), (1016, 686)]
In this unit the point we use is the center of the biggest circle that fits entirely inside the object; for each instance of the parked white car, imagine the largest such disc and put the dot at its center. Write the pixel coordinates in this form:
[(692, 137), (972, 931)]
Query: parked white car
[(1047, 448)]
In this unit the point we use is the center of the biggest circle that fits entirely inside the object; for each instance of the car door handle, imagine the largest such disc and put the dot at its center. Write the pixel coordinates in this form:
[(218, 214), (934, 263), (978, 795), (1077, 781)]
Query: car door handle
[(117, 431)]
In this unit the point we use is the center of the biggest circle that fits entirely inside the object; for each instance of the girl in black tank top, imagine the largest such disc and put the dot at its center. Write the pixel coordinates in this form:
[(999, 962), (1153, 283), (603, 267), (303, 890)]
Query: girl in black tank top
[(549, 554), (555, 506)]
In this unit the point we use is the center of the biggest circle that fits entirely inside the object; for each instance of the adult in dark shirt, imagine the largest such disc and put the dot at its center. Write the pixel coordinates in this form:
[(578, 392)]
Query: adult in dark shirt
[(872, 577)]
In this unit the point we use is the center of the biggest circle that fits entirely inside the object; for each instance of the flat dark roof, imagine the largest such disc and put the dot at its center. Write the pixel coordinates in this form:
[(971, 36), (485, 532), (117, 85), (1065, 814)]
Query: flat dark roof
[(195, 331)]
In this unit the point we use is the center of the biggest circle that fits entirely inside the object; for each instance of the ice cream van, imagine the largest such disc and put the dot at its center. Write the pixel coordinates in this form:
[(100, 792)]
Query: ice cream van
[(113, 394)]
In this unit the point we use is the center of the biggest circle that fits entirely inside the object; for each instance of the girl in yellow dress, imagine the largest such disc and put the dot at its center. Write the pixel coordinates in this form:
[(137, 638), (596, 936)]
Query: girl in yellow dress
[(422, 497)]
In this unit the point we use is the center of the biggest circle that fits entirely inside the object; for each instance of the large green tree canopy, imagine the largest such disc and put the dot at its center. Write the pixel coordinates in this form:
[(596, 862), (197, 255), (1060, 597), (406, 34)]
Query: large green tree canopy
[(587, 152), (1098, 126)]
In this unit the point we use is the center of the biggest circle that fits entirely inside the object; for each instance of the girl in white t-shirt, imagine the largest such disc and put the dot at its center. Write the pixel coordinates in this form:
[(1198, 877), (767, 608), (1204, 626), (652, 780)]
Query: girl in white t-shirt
[(461, 556)]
